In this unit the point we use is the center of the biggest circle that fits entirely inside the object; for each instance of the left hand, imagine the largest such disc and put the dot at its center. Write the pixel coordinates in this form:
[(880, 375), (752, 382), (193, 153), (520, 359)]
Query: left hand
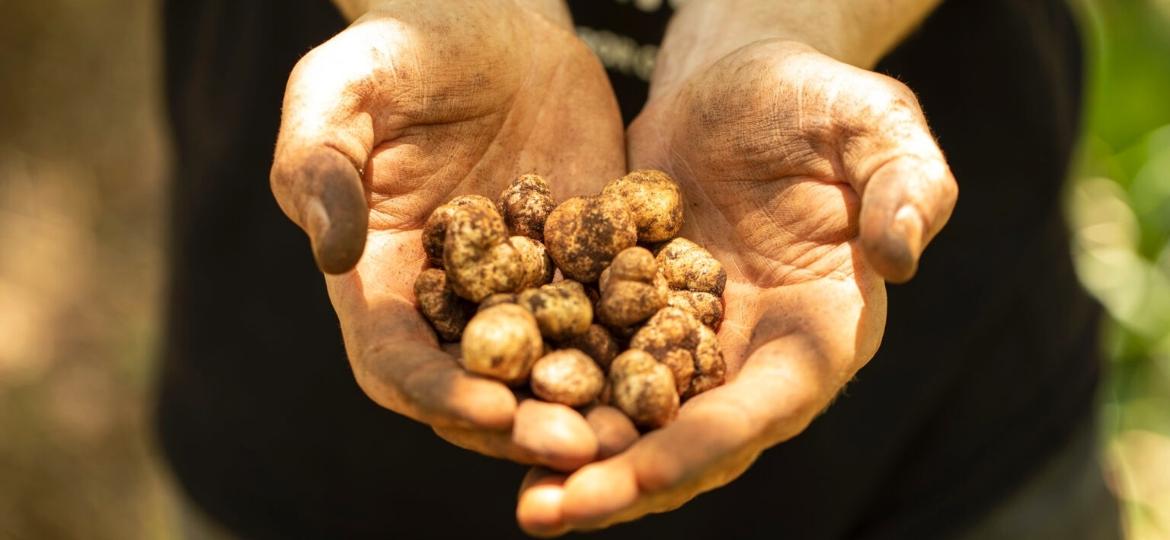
[(414, 103), (814, 182)]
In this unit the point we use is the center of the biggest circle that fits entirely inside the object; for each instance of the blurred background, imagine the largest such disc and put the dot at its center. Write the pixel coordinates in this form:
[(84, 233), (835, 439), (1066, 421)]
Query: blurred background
[(83, 169)]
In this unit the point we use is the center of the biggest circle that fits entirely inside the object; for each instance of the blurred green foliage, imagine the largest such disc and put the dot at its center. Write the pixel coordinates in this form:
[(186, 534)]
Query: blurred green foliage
[(1119, 208), (1123, 229)]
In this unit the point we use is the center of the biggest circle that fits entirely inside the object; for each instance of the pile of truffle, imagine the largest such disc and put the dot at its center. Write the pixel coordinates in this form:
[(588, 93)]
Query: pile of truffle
[(551, 295)]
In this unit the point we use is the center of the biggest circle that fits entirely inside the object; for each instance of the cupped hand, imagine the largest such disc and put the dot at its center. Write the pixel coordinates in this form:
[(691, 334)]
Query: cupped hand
[(413, 104), (814, 182)]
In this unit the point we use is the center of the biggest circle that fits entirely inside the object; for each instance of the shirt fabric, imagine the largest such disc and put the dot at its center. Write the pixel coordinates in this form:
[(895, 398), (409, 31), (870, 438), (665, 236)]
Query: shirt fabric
[(988, 365)]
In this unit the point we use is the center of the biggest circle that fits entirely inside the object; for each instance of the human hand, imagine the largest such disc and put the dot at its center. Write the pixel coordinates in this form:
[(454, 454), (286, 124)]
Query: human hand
[(814, 182), (413, 104)]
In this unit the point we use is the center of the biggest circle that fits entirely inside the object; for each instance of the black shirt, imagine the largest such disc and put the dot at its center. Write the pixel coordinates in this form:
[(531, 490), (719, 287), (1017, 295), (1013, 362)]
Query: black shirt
[(988, 364)]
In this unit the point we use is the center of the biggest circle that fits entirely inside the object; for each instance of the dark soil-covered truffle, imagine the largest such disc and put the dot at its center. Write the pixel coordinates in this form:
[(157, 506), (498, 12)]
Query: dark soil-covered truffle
[(446, 311), (525, 205), (434, 231), (584, 234), (643, 389)]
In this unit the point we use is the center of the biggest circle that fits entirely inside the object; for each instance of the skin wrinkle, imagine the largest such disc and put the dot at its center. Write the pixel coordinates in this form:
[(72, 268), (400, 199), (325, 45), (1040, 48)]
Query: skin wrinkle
[(799, 107), (543, 100), (780, 270), (486, 158), (467, 173)]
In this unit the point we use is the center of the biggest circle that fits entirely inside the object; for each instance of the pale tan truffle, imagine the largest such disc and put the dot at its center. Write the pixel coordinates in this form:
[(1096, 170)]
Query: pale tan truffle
[(502, 342), (536, 266), (707, 307), (654, 200), (628, 292), (562, 309), (686, 265), (677, 339), (568, 377)]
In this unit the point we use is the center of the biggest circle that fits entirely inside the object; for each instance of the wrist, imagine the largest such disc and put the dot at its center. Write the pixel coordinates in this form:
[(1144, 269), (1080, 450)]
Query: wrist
[(555, 11), (352, 9), (857, 32)]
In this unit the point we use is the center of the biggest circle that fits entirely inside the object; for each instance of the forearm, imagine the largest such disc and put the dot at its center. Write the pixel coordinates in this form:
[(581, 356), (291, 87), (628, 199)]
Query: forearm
[(858, 32), (555, 10)]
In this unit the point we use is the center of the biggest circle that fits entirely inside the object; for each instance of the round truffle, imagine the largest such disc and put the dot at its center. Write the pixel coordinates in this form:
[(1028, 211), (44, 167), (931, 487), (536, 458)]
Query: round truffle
[(710, 367), (629, 294), (584, 234), (568, 377), (502, 342), (562, 309), (525, 205), (434, 231), (626, 303), (537, 268), (654, 200), (446, 311), (707, 307), (686, 265), (671, 328), (643, 389), (597, 343), (478, 259)]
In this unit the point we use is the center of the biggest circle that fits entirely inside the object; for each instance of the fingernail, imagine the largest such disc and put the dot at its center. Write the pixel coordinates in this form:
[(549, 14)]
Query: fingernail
[(902, 244), (316, 220), (337, 241), (908, 226), (319, 226)]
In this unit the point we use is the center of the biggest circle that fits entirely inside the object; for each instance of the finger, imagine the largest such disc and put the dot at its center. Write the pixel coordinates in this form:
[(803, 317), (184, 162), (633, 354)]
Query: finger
[(538, 508), (393, 351), (614, 430), (715, 438), (545, 434), (322, 193), (489, 443), (322, 146), (907, 190), (905, 204), (558, 436), (421, 382)]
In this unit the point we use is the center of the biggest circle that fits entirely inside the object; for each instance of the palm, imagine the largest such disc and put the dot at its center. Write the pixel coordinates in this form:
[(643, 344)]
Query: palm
[(765, 197), (474, 113), (429, 103)]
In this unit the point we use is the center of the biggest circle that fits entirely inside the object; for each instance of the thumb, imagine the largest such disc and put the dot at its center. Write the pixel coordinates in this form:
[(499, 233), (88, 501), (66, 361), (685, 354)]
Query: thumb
[(907, 190), (321, 191), (323, 145)]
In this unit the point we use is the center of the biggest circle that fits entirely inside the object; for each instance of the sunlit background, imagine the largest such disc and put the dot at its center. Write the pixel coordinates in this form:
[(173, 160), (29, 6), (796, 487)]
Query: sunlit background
[(83, 168)]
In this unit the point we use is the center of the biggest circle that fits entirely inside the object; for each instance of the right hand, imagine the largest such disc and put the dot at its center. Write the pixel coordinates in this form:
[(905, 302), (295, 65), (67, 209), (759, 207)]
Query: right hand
[(413, 104)]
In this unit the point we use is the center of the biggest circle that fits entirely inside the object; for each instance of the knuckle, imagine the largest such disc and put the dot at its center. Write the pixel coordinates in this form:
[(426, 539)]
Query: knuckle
[(899, 95), (888, 99), (949, 192)]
